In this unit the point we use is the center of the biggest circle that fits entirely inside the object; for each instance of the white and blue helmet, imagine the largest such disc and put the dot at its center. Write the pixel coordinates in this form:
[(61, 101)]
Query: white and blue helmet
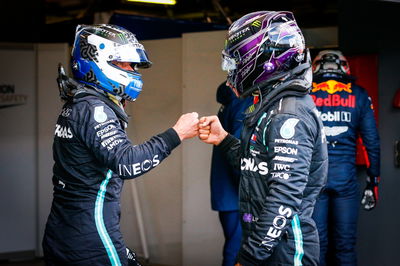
[(96, 47)]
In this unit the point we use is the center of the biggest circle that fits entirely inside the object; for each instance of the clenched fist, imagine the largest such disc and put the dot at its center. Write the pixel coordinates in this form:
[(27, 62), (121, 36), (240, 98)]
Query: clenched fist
[(211, 130), (187, 126)]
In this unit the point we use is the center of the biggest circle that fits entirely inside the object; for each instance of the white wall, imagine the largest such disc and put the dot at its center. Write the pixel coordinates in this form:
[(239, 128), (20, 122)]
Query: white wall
[(48, 108), (157, 109), (202, 234), (17, 144)]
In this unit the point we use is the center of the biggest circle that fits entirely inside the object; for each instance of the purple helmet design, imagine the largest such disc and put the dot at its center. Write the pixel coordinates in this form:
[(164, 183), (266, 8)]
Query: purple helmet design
[(261, 47)]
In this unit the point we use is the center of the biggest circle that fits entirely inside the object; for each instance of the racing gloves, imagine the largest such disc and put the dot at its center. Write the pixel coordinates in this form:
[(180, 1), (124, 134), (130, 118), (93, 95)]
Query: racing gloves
[(132, 260), (370, 196)]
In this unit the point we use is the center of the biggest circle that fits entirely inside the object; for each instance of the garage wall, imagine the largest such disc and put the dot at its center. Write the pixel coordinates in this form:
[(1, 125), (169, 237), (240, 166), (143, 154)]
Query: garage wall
[(202, 236), (48, 108), (17, 145), (160, 191)]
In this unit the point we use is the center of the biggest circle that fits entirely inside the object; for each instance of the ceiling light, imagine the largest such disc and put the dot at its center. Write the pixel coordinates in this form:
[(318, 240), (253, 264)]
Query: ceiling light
[(163, 2)]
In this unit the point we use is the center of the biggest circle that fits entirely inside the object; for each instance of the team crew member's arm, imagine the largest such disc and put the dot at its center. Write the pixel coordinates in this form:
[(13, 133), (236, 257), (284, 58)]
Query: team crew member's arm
[(370, 135), (104, 135), (289, 142)]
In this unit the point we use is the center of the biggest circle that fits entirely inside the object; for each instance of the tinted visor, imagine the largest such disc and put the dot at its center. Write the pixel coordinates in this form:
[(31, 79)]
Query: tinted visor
[(228, 63), (144, 62), (133, 52)]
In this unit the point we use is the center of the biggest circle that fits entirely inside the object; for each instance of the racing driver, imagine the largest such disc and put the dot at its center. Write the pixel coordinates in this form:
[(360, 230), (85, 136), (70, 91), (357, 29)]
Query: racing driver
[(282, 153), (346, 111), (92, 153)]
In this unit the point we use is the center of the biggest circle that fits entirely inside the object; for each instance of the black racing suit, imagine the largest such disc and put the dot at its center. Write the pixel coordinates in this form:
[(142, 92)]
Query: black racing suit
[(92, 157), (283, 162)]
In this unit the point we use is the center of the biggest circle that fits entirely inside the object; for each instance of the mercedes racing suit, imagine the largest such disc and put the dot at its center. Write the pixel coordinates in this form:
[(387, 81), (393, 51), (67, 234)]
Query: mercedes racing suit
[(92, 157), (346, 110), (283, 162)]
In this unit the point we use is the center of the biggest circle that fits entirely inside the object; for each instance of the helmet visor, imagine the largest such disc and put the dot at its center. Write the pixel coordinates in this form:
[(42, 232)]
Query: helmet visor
[(228, 63), (135, 53)]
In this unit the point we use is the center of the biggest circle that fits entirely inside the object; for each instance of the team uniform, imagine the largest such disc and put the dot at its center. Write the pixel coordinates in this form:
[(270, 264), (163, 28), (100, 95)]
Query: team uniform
[(282, 153), (92, 157), (346, 110), (283, 162)]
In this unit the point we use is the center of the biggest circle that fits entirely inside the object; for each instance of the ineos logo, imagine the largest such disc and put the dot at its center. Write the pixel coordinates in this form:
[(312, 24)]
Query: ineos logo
[(138, 168)]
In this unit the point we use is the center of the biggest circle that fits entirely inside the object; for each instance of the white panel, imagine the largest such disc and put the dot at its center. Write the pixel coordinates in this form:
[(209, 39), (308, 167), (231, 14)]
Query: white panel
[(157, 109), (49, 106), (202, 238), (17, 145)]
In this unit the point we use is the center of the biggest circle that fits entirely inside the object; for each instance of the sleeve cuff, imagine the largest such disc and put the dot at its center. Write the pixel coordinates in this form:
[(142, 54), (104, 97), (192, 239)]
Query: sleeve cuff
[(171, 138), (227, 142)]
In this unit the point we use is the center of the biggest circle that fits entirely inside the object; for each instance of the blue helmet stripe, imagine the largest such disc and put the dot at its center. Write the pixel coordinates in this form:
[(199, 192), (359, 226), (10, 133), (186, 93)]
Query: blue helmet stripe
[(298, 240), (101, 228)]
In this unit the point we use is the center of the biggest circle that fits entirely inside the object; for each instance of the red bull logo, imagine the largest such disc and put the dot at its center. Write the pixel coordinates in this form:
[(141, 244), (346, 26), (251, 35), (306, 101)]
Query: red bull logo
[(331, 86), (335, 100)]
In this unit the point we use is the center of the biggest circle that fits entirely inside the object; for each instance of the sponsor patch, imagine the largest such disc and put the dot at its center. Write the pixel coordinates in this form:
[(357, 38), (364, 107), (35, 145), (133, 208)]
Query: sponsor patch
[(335, 100), (287, 130), (278, 224), (280, 175), (332, 86), (287, 141), (138, 168), (249, 164), (281, 167), (285, 150), (101, 133), (336, 116), (334, 131), (63, 132), (99, 115), (254, 152), (284, 159)]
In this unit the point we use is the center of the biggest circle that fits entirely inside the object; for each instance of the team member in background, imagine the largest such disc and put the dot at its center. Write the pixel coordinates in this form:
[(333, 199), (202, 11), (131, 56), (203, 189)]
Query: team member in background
[(282, 153), (225, 179), (92, 153), (346, 110)]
